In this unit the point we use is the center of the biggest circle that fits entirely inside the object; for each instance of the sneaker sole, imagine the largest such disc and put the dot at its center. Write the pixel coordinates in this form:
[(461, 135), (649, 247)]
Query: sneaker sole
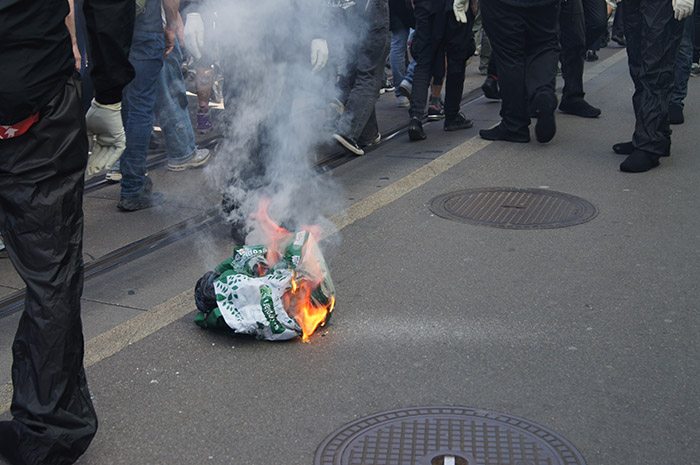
[(345, 144), (185, 166)]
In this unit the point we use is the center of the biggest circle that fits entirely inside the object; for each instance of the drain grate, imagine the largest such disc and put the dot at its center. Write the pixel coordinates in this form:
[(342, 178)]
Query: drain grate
[(513, 208), (445, 435)]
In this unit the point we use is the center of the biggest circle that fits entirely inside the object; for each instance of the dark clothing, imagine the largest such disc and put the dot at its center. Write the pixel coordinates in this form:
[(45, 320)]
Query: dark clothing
[(42, 173), (439, 35), (365, 69), (525, 41), (618, 27), (37, 57), (581, 24), (41, 216), (653, 37), (401, 15)]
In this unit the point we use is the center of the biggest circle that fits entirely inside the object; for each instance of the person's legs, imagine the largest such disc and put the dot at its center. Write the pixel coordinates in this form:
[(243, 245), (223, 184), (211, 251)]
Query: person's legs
[(459, 46), (542, 53), (171, 109), (596, 20), (138, 101), (422, 49), (41, 218), (681, 73), (572, 38), (371, 56), (618, 28), (507, 32), (653, 36), (397, 57)]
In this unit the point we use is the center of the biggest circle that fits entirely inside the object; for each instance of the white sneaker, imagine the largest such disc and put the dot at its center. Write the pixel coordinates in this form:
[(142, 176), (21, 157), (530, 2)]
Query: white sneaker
[(403, 101), (198, 158)]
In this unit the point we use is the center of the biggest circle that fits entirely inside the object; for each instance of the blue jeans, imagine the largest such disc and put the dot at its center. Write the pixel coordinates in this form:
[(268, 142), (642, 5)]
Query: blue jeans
[(684, 60), (397, 58), (171, 109), (138, 101)]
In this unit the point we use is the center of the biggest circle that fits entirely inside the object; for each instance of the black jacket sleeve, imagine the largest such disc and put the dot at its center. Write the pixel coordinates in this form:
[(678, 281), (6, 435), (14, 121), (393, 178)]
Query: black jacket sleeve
[(110, 25)]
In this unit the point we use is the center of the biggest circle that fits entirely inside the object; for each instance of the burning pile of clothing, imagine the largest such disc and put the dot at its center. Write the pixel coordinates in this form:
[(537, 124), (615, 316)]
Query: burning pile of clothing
[(275, 292)]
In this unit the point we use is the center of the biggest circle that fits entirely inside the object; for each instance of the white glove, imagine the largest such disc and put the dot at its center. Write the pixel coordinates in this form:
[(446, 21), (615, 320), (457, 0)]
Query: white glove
[(460, 9), (194, 34), (104, 123), (319, 54), (682, 8)]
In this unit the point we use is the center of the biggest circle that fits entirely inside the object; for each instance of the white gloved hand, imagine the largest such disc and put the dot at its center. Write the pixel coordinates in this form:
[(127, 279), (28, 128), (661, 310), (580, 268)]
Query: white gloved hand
[(319, 54), (104, 123), (682, 8), (460, 9), (194, 34)]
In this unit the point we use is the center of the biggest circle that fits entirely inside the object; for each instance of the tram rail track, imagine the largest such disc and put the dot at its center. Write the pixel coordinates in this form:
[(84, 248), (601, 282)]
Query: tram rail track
[(14, 302)]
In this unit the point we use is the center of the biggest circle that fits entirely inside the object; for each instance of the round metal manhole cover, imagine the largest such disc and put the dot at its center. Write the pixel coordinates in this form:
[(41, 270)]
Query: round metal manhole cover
[(513, 208), (449, 435)]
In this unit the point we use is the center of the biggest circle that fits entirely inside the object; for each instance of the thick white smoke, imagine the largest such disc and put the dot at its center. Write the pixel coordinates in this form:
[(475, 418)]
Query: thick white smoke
[(276, 108)]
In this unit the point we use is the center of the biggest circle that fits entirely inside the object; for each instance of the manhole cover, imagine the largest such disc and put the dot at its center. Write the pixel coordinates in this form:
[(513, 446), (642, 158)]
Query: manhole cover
[(512, 208), (436, 435)]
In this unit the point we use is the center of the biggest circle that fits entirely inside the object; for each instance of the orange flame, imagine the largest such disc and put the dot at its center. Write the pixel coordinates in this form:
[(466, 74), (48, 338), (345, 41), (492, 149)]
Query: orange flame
[(297, 300)]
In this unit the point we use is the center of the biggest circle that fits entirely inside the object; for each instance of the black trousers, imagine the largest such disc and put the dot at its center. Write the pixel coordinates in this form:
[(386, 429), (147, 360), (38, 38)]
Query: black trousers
[(653, 37), (581, 23), (41, 218), (360, 84), (526, 43), (439, 35)]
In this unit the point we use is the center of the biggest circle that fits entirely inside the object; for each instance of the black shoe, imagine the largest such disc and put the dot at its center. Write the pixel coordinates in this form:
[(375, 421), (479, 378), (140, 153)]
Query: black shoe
[(580, 108), (620, 39), (140, 202), (591, 55), (623, 148), (675, 114), (639, 161), (349, 144), (501, 133), (626, 148), (415, 130), (457, 122), (490, 88), (544, 105)]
